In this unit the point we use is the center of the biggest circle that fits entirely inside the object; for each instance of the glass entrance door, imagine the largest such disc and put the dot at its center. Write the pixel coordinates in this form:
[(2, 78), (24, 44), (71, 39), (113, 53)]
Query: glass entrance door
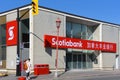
[(78, 61)]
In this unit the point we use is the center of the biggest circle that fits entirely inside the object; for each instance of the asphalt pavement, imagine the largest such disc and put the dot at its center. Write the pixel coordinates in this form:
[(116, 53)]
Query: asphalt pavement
[(69, 75)]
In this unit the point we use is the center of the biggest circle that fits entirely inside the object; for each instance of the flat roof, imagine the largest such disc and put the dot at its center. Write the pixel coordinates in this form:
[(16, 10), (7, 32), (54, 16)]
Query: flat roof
[(64, 13)]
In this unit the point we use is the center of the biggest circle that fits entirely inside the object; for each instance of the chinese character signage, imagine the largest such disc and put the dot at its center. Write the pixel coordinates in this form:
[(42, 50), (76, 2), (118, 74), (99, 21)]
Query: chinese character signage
[(11, 33), (51, 41)]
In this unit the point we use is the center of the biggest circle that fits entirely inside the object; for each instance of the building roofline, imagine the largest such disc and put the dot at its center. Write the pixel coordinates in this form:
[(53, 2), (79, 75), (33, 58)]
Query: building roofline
[(15, 8), (64, 13), (79, 16)]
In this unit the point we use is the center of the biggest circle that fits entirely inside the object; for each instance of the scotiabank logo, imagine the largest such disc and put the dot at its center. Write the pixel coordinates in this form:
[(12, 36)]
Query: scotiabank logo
[(63, 42), (11, 33)]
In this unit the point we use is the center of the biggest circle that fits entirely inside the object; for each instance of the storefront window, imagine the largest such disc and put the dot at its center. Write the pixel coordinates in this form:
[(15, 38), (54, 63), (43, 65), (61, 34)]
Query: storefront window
[(90, 31), (76, 30), (79, 59), (3, 34), (69, 29), (84, 32), (2, 45)]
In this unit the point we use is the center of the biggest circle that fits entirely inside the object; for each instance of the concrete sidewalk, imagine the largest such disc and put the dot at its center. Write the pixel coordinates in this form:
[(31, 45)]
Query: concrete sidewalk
[(69, 75), (75, 75)]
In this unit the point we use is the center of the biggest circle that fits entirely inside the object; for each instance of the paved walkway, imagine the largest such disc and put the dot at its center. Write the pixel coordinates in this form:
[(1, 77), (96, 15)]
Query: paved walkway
[(69, 75)]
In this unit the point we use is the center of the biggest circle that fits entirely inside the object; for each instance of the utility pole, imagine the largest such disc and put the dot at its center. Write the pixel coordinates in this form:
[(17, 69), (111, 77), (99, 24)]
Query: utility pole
[(18, 64), (18, 71), (35, 11)]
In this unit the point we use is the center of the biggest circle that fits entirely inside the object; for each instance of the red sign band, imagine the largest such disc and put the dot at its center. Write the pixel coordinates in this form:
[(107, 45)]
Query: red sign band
[(63, 42)]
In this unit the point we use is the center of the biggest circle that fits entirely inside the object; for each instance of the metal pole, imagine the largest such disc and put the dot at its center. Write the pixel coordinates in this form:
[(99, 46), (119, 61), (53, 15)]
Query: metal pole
[(56, 60), (18, 72), (18, 64), (21, 48)]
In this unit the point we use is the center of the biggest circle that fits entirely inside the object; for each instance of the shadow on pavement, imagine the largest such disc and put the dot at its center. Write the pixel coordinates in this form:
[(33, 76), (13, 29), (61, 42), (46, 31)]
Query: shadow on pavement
[(61, 74), (33, 77)]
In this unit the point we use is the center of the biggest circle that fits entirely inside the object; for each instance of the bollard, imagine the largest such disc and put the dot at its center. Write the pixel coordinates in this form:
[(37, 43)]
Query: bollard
[(22, 78)]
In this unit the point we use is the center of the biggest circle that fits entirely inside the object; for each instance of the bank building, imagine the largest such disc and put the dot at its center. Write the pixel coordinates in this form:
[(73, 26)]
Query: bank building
[(82, 43)]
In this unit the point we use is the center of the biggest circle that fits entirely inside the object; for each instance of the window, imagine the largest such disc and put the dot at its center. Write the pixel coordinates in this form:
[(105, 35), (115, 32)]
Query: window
[(3, 42), (25, 32), (3, 34), (76, 30), (69, 29), (80, 31), (73, 30)]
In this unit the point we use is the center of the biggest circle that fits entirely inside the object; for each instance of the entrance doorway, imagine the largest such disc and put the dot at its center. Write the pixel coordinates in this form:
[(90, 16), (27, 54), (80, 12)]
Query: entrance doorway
[(79, 60)]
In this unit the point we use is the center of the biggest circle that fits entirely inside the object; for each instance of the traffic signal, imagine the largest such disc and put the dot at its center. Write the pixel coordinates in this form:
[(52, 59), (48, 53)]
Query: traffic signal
[(34, 7)]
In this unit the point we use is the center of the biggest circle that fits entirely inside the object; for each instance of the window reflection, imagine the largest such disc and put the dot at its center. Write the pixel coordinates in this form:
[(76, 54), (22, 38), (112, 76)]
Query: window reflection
[(80, 31)]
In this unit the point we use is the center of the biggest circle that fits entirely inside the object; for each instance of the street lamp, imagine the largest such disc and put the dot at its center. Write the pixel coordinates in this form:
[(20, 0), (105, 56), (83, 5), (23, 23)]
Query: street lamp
[(58, 22)]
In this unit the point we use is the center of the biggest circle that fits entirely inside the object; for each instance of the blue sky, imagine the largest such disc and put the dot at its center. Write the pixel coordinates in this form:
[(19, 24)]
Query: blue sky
[(105, 10)]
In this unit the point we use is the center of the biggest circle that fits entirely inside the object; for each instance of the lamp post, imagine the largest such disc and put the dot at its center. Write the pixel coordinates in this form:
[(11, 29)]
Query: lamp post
[(58, 22)]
